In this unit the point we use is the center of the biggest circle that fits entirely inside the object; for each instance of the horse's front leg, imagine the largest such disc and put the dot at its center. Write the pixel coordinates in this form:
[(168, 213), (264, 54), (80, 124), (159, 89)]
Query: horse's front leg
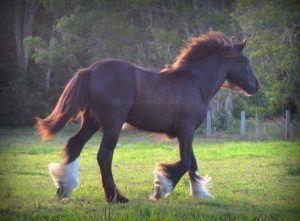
[(167, 175), (105, 156), (198, 185)]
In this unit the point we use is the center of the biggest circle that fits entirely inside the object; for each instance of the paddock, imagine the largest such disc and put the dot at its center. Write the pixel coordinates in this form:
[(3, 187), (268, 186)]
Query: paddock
[(250, 179)]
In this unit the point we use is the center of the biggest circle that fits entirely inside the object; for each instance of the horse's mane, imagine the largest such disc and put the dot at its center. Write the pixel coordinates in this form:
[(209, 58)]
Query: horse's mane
[(199, 48)]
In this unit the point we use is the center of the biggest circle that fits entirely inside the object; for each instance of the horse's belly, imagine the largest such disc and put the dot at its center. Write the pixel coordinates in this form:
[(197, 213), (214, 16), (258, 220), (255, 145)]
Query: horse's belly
[(151, 121)]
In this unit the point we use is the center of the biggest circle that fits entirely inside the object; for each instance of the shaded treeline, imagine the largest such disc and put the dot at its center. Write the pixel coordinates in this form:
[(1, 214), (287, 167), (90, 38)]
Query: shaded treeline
[(43, 42)]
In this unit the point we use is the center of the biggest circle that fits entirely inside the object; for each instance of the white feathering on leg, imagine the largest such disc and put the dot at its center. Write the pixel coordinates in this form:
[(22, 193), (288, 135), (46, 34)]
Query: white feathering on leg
[(198, 187), (65, 176), (162, 185), (165, 185)]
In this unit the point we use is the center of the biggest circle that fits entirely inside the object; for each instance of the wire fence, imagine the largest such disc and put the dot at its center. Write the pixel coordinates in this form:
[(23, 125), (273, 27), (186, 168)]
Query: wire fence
[(254, 128)]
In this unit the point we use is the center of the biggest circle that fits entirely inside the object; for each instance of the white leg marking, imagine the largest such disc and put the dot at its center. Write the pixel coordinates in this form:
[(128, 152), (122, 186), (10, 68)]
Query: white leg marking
[(198, 187), (65, 176), (165, 185)]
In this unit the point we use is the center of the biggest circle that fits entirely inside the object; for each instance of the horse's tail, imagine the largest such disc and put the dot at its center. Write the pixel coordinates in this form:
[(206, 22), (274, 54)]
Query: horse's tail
[(72, 101)]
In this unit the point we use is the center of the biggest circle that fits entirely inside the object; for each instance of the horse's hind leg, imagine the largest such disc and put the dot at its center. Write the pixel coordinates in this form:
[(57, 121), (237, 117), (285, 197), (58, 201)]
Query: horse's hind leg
[(198, 184), (105, 155), (65, 175)]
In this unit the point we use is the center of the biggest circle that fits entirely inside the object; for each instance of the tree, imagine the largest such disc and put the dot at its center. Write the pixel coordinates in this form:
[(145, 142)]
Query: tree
[(24, 12), (61, 36), (274, 49)]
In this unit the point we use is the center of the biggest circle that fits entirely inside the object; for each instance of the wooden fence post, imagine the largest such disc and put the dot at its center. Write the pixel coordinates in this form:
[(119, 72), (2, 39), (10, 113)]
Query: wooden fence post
[(208, 124), (256, 124), (243, 125), (287, 132)]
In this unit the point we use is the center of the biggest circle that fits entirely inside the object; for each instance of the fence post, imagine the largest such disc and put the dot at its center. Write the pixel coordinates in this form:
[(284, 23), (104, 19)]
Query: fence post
[(287, 132), (256, 124), (243, 125), (208, 124)]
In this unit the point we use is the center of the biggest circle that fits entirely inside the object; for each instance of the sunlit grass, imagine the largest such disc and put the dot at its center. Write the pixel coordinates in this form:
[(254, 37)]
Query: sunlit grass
[(251, 180)]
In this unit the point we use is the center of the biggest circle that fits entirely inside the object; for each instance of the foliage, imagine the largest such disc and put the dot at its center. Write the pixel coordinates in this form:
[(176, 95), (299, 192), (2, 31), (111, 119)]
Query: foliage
[(274, 48), (21, 102), (220, 120), (71, 34)]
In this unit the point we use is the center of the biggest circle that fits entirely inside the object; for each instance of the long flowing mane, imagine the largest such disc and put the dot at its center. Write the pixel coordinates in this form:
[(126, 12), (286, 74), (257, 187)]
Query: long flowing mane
[(199, 48)]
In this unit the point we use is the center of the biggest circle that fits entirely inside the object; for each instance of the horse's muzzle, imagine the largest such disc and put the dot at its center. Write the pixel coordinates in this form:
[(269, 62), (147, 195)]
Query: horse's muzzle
[(253, 87)]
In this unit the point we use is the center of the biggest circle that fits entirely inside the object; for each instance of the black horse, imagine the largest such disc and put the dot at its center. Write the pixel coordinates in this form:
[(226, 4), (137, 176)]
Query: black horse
[(174, 101)]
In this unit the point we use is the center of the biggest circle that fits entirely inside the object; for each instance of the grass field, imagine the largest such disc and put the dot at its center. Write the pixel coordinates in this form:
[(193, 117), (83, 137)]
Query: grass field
[(251, 180)]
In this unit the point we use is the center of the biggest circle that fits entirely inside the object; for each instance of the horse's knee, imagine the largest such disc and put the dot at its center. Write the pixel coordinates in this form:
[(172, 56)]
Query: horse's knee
[(104, 156)]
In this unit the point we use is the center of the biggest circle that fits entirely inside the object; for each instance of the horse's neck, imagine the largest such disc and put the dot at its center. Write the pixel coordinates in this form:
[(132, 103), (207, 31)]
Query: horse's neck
[(211, 75)]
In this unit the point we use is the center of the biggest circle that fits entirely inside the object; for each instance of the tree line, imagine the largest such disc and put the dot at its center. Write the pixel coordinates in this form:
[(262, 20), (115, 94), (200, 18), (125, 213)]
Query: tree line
[(43, 42)]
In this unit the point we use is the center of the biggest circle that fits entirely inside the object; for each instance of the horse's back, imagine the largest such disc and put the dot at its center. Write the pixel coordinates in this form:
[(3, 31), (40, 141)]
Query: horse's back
[(111, 76)]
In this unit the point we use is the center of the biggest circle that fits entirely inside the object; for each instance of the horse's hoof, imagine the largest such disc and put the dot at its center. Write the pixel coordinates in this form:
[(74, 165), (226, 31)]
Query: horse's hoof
[(163, 186), (122, 199), (199, 187), (117, 199), (60, 193), (155, 195)]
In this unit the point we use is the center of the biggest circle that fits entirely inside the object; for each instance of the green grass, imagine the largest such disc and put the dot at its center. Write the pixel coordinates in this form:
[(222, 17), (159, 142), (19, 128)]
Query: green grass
[(251, 180)]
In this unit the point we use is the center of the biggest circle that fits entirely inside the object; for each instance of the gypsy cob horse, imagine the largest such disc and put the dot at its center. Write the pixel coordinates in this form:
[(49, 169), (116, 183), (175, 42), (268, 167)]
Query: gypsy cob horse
[(174, 101)]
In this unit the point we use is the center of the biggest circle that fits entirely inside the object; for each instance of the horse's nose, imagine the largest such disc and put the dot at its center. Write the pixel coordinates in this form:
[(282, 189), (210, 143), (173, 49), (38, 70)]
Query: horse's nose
[(253, 86)]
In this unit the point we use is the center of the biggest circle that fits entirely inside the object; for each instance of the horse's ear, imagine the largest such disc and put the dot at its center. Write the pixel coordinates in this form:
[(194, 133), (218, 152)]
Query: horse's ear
[(242, 44)]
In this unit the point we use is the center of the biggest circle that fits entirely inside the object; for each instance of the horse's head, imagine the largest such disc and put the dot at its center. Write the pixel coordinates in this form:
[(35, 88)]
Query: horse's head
[(239, 71)]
